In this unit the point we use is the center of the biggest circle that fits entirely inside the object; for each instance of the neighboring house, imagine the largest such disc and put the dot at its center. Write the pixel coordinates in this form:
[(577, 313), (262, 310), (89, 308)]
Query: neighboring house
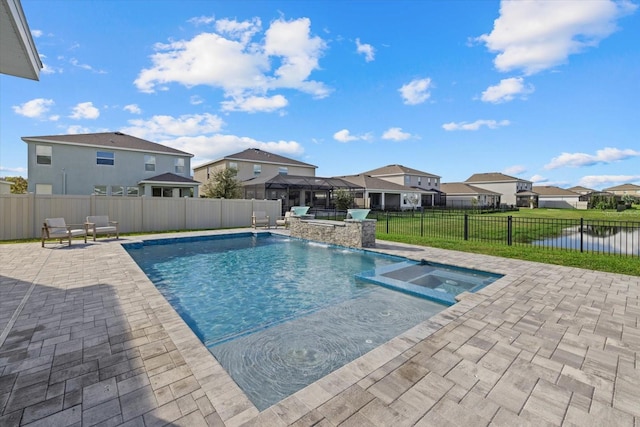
[(107, 164), (5, 187), (555, 197), (380, 194), (427, 184), (581, 190), (265, 175), (18, 54), (624, 189), (514, 191), (253, 163), (463, 195)]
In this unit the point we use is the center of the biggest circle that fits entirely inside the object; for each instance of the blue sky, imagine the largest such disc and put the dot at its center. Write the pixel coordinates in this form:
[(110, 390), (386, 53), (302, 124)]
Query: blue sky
[(547, 91)]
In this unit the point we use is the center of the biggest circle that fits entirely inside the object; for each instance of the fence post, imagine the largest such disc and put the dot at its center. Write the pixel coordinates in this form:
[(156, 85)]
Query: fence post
[(509, 230), (387, 222), (422, 224), (466, 226), (581, 234)]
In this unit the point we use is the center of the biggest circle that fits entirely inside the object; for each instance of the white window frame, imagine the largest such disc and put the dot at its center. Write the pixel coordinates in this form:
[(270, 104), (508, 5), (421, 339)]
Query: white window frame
[(105, 158), (178, 165), (149, 163), (44, 151)]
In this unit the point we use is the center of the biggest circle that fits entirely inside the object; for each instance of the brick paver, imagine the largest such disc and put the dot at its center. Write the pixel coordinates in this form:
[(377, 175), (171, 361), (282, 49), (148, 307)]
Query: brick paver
[(86, 339)]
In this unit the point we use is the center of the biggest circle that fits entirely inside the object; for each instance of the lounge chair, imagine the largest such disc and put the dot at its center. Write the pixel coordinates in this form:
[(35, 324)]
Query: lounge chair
[(100, 224), (284, 221), (58, 229), (260, 218)]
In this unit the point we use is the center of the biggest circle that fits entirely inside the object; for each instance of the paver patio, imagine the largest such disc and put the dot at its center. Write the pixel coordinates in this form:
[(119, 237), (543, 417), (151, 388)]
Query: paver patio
[(86, 339)]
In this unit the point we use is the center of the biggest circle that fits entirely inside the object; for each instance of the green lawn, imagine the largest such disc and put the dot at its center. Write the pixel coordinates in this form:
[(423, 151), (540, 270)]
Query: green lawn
[(487, 234)]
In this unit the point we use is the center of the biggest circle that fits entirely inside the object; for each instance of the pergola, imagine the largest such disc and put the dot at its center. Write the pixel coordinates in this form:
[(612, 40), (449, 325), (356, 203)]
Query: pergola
[(296, 190)]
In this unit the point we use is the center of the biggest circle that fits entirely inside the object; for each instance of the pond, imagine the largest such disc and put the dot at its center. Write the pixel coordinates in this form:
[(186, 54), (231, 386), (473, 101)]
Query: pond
[(597, 238)]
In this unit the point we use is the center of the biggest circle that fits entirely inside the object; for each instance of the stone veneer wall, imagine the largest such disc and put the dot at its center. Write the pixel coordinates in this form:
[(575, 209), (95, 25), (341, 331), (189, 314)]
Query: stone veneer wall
[(351, 233)]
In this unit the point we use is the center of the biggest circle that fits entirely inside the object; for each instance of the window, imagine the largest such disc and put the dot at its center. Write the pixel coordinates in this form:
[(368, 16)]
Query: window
[(257, 169), (419, 181), (117, 190), (106, 158), (100, 190), (43, 154), (133, 192), (44, 189), (283, 170), (179, 166), (233, 165), (149, 163), (407, 180)]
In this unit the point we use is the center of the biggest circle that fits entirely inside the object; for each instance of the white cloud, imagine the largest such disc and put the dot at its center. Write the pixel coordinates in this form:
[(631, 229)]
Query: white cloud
[(85, 110), (536, 179), (230, 60), (254, 104), (491, 124), (199, 134), (196, 100), (515, 170), (606, 155), (167, 127), (202, 20), (210, 147), (367, 50), (507, 90), (537, 35), (345, 136), (133, 109), (37, 33), (36, 108), (77, 129), (396, 134), (13, 171), (602, 181), (87, 67), (416, 91)]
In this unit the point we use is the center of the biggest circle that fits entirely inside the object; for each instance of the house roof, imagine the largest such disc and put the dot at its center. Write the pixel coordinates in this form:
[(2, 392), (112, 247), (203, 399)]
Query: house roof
[(296, 181), (463, 189), (372, 183), (397, 170), (550, 190), (579, 188), (109, 140), (169, 178), (259, 156), (18, 54), (623, 187), (493, 177)]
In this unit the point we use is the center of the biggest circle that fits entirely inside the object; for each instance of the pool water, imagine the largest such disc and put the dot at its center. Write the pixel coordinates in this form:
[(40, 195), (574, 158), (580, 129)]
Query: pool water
[(279, 313)]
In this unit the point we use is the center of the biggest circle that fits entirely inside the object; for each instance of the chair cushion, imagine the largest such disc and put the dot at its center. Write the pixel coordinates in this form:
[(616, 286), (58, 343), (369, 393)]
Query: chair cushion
[(99, 220)]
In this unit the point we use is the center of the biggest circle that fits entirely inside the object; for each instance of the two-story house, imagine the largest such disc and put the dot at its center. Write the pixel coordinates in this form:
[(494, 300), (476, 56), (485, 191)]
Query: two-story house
[(425, 184), (266, 175), (625, 189), (515, 191), (108, 164)]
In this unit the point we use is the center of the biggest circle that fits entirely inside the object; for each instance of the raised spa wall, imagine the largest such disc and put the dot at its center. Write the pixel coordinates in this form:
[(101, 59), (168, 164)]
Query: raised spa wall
[(352, 233)]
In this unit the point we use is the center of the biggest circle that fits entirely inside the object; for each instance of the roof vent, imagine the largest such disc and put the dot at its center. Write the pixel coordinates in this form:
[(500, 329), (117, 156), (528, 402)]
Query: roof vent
[(119, 133)]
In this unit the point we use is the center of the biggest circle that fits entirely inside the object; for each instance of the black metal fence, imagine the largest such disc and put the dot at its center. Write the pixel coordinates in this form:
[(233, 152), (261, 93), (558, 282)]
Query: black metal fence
[(595, 236)]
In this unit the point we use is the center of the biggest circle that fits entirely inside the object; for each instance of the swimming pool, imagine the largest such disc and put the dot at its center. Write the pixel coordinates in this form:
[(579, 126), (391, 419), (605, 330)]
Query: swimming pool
[(278, 313)]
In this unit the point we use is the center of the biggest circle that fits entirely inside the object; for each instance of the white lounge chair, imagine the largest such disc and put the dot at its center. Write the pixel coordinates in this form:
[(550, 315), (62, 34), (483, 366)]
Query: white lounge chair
[(58, 229), (100, 224), (284, 221), (260, 218)]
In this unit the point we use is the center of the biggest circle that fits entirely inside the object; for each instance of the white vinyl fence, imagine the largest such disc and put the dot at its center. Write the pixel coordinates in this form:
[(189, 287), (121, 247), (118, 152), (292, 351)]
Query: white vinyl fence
[(22, 215)]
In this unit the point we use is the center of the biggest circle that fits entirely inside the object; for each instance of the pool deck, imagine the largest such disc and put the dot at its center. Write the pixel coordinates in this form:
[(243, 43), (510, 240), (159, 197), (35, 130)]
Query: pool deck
[(86, 339)]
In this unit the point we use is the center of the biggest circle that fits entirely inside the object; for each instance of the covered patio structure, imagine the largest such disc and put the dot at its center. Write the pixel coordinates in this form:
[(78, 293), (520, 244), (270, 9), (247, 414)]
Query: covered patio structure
[(313, 191)]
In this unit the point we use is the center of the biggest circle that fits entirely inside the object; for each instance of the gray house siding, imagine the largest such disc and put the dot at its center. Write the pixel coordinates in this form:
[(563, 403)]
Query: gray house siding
[(74, 168)]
